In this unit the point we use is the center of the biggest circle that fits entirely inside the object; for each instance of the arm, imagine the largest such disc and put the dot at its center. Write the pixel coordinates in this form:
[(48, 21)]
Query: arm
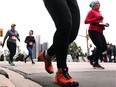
[(34, 40), (5, 38), (26, 40), (89, 19), (18, 37), (92, 19)]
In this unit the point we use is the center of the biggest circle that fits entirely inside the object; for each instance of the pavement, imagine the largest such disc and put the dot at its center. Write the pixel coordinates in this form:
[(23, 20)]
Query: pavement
[(28, 75)]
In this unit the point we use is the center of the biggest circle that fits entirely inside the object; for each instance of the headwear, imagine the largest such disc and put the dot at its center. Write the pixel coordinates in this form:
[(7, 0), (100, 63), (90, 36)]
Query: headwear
[(93, 3), (12, 25)]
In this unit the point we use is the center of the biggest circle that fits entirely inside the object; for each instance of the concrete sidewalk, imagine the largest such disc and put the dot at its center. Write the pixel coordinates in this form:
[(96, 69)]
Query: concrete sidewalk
[(4, 82), (15, 79), (83, 72)]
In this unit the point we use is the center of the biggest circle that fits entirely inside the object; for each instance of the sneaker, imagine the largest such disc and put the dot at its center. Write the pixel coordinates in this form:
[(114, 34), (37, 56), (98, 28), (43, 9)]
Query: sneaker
[(48, 63), (33, 62), (9, 61), (98, 66), (12, 64), (90, 59), (64, 79), (25, 60)]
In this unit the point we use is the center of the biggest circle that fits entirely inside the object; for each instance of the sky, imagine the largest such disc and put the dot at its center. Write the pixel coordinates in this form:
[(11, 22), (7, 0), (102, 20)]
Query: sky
[(32, 14)]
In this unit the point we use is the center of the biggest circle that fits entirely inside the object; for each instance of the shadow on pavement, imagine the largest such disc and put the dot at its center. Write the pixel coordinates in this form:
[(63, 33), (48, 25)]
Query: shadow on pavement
[(86, 79)]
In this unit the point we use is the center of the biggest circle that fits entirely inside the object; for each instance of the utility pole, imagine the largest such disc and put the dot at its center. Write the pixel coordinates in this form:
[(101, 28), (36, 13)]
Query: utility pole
[(87, 43), (87, 38)]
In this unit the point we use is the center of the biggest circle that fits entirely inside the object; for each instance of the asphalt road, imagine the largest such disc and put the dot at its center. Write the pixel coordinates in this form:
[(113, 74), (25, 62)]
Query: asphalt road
[(85, 79), (81, 72)]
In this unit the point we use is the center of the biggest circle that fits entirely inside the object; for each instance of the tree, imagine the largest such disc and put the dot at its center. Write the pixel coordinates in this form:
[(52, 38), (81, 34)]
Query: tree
[(73, 47)]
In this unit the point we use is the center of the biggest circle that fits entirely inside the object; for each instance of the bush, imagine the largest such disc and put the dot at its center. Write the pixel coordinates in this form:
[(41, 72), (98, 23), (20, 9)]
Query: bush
[(7, 57), (2, 57), (20, 57)]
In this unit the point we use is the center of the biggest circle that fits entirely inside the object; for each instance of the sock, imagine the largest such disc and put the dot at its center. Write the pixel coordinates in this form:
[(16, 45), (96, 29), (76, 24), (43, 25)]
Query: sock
[(47, 56)]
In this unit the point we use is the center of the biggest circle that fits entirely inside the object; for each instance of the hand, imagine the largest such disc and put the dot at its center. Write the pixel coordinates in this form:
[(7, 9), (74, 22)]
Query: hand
[(107, 25), (0, 43), (100, 18), (19, 40)]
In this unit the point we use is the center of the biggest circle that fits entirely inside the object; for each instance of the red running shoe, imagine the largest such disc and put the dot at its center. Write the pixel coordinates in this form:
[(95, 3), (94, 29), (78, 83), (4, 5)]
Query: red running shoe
[(48, 64), (64, 79)]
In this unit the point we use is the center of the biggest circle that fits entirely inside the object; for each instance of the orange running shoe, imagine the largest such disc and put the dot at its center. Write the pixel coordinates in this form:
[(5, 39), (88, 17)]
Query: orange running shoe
[(48, 64), (64, 79)]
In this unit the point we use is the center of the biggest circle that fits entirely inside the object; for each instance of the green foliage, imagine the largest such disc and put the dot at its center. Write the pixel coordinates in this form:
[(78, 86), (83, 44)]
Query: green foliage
[(7, 57), (20, 57), (2, 57), (73, 47)]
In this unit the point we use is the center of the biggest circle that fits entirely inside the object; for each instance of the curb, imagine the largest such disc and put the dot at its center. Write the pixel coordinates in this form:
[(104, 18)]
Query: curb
[(2, 72), (17, 77), (4, 79)]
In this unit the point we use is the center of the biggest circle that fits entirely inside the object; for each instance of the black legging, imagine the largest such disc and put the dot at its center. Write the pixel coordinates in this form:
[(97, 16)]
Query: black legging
[(12, 48), (66, 16), (99, 41)]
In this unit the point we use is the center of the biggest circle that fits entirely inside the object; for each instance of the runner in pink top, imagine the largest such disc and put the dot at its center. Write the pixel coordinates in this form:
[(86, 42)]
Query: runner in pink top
[(96, 27)]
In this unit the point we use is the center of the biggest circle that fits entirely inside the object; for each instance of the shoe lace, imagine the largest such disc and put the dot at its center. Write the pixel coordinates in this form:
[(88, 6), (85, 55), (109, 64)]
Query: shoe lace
[(67, 76), (49, 63)]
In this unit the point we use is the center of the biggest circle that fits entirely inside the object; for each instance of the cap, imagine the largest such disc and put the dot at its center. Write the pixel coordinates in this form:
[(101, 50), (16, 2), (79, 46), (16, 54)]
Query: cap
[(12, 25), (93, 3)]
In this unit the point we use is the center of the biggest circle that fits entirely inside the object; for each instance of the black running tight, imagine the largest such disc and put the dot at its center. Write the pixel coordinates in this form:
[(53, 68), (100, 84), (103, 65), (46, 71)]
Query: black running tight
[(12, 49), (100, 42), (66, 16)]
